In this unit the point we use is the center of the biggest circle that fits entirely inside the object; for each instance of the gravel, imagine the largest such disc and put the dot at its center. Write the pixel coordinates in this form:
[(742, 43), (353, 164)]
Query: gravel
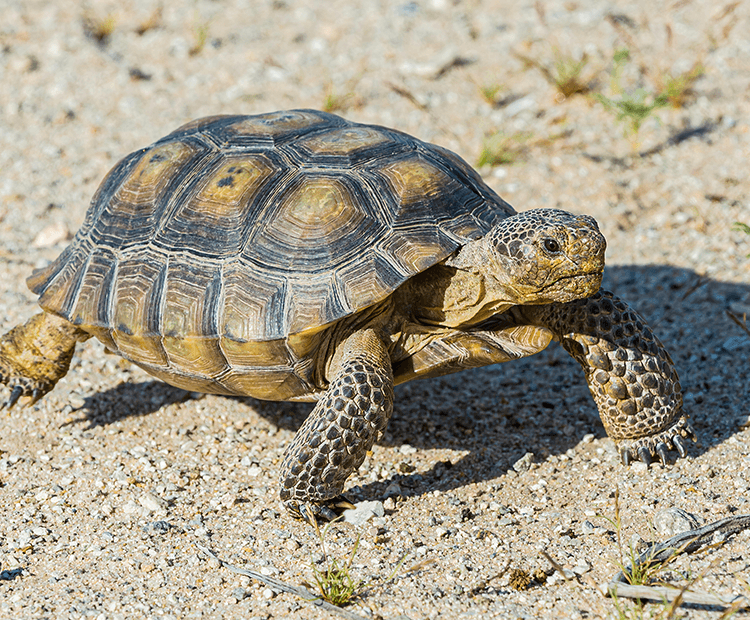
[(109, 482)]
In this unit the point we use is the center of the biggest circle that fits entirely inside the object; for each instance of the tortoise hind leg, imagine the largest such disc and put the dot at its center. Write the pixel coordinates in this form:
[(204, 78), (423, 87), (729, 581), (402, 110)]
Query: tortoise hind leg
[(335, 438), (36, 355), (630, 375)]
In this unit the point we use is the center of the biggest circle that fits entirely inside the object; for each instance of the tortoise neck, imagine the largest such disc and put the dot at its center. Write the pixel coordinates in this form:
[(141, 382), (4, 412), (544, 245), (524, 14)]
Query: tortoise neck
[(449, 296)]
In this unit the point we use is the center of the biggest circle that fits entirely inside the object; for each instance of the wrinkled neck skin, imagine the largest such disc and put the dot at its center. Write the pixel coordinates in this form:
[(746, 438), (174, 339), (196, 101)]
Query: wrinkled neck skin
[(455, 294)]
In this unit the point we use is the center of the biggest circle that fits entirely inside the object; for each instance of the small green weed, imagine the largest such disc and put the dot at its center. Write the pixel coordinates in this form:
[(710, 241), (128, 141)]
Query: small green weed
[(637, 574), (335, 102), (565, 74), (100, 29), (741, 227), (335, 582), (632, 108), (200, 38), (646, 575), (678, 88), (490, 92), (501, 149)]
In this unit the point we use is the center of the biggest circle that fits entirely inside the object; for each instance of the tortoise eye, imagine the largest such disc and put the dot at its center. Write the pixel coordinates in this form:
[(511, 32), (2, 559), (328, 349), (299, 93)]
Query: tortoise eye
[(551, 245)]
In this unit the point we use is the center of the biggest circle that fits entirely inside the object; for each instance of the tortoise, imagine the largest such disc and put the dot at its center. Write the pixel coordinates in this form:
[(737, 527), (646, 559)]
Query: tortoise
[(299, 256)]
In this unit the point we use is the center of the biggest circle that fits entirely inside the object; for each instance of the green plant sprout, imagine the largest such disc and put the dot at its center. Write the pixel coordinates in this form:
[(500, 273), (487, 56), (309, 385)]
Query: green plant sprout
[(632, 108), (565, 74), (200, 36), (335, 582), (335, 102), (741, 227), (500, 148), (99, 28), (678, 88), (490, 92)]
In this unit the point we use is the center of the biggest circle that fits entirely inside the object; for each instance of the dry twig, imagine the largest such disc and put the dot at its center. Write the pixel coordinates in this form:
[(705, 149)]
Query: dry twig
[(687, 542)]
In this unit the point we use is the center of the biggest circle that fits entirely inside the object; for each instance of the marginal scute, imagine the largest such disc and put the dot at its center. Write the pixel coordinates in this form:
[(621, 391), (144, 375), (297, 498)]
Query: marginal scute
[(253, 298), (60, 287), (137, 309), (269, 382), (369, 279)]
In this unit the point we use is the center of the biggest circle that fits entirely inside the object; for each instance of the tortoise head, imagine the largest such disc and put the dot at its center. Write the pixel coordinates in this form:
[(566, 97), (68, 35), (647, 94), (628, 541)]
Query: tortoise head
[(538, 256)]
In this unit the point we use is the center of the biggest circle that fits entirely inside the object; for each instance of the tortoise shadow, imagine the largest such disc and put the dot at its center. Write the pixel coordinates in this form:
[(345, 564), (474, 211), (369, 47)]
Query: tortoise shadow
[(495, 415)]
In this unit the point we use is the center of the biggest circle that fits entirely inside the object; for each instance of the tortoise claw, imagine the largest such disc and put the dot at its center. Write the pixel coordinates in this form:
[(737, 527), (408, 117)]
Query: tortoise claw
[(15, 394), (311, 513), (308, 515), (648, 447), (663, 452), (679, 443)]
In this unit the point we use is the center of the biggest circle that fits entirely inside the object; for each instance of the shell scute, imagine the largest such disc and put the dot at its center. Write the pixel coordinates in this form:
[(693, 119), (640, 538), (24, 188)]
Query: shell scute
[(130, 214), (213, 216)]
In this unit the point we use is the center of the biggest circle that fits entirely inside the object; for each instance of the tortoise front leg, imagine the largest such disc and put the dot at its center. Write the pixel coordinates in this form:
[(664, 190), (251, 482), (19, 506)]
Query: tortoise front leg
[(36, 355), (630, 374), (335, 438)]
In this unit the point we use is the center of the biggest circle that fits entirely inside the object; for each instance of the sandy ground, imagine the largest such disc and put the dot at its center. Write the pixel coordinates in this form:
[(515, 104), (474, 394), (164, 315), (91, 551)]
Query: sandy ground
[(109, 482)]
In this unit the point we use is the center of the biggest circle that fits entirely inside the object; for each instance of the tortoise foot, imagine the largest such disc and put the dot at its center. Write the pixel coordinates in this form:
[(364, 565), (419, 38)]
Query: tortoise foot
[(36, 355), (15, 376), (659, 444), (311, 513), (21, 386)]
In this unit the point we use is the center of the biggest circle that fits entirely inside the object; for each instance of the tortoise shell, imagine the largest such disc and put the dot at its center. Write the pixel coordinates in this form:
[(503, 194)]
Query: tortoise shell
[(216, 257)]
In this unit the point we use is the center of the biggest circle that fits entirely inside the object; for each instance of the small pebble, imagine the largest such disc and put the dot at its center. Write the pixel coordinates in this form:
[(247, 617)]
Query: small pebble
[(524, 463), (158, 527), (292, 545), (672, 521), (580, 569), (364, 512), (51, 235), (393, 489), (151, 502)]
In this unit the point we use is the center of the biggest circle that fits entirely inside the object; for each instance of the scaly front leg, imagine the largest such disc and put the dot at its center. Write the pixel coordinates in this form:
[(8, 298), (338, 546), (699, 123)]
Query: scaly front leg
[(335, 438), (630, 374)]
